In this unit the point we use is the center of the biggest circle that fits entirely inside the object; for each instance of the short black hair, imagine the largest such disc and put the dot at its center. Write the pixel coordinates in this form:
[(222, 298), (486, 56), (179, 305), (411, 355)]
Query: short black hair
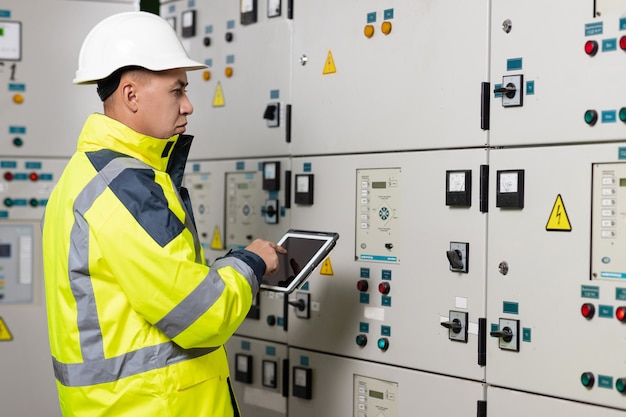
[(108, 85)]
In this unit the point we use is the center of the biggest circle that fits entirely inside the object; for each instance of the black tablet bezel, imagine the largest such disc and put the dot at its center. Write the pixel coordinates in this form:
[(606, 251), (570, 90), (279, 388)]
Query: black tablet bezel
[(329, 240)]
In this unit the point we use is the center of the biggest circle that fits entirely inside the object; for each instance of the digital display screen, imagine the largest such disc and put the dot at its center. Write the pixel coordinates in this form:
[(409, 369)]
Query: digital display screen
[(622, 182), (242, 185), (299, 253), (270, 171), (379, 184), (5, 250), (377, 394)]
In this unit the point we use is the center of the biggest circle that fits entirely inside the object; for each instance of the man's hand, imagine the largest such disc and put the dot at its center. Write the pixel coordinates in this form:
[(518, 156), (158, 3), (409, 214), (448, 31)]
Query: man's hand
[(268, 252)]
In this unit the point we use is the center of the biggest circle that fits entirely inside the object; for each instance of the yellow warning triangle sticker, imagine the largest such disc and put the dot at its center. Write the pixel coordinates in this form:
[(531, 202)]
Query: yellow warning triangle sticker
[(5, 334), (329, 66), (558, 220), (218, 98), (327, 268), (216, 242)]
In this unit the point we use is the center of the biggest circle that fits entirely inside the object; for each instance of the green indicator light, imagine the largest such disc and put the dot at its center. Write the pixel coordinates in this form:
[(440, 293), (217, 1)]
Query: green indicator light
[(1, 31), (620, 385), (591, 117), (8, 202), (383, 344), (622, 114), (361, 340), (18, 142), (587, 379), (33, 202)]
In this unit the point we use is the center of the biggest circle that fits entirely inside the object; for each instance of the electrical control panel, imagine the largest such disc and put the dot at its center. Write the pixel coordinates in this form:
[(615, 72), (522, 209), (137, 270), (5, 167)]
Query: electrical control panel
[(563, 294), (503, 134), (537, 79), (353, 93), (378, 215), (33, 123), (374, 310)]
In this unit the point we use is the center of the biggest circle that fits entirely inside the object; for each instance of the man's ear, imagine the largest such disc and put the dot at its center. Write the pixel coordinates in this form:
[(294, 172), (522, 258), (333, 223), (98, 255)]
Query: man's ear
[(128, 93)]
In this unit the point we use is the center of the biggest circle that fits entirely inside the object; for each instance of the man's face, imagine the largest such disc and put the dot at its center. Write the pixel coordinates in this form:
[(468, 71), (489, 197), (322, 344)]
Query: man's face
[(162, 103)]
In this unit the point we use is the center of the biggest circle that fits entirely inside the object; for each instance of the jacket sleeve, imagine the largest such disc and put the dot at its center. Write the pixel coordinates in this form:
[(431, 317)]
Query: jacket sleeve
[(151, 256)]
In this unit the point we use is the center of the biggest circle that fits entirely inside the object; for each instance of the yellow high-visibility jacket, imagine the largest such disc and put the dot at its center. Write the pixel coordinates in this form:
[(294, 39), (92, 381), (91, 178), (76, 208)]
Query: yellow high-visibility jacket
[(137, 320)]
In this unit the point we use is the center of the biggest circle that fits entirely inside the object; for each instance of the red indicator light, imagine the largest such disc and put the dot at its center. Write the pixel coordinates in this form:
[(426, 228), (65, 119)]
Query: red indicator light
[(620, 314), (591, 48), (622, 43), (384, 288), (33, 176), (362, 285), (587, 310), (8, 176)]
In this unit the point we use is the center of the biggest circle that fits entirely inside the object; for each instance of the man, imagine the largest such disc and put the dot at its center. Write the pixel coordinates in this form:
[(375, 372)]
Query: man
[(137, 321)]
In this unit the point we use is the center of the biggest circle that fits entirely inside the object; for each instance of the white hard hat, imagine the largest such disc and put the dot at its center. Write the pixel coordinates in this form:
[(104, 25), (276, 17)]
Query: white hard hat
[(131, 39)]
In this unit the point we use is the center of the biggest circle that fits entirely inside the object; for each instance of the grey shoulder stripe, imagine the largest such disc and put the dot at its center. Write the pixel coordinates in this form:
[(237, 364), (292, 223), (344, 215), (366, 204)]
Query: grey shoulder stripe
[(78, 260)]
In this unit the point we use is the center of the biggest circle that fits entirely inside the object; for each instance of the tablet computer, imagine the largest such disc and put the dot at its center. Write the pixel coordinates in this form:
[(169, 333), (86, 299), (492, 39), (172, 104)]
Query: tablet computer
[(305, 250)]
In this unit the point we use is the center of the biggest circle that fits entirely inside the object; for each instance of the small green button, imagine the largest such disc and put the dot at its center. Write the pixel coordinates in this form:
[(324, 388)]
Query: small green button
[(383, 344), (361, 340), (591, 117), (587, 379)]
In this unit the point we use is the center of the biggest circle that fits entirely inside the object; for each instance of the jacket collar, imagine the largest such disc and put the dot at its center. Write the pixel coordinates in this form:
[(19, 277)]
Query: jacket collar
[(103, 132)]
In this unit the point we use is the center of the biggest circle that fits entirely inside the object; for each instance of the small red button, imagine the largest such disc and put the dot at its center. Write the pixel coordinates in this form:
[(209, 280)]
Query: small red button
[(587, 310), (362, 285), (591, 48), (384, 288)]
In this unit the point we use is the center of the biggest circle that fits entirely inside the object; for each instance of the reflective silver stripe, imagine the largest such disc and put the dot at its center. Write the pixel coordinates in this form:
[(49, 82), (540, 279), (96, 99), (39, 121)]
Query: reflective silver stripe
[(80, 279), (203, 297), (239, 265), (129, 364), (96, 368)]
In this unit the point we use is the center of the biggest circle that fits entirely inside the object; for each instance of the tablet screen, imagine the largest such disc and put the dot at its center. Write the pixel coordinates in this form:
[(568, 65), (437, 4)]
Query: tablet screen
[(304, 253)]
